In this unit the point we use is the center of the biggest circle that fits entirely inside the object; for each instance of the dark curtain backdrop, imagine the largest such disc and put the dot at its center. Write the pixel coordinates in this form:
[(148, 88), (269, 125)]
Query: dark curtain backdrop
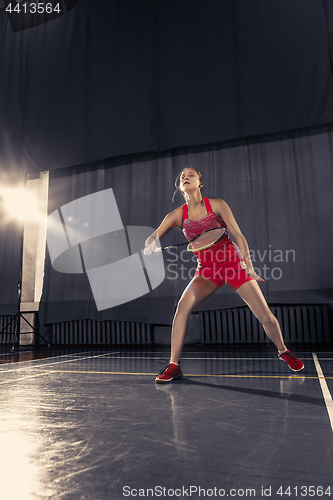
[(279, 187), (11, 230), (113, 77)]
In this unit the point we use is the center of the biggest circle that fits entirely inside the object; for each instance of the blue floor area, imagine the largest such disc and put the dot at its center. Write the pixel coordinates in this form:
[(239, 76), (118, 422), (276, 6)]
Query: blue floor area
[(92, 425)]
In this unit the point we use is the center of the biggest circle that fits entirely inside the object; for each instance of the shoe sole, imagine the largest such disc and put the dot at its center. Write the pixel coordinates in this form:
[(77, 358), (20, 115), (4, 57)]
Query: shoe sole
[(161, 381), (292, 369)]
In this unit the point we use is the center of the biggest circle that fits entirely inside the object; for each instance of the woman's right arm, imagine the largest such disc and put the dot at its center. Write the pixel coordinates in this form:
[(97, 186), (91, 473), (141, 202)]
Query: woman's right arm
[(173, 219)]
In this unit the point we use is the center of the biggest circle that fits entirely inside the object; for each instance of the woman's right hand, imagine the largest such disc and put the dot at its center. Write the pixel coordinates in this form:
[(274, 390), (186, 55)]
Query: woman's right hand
[(151, 248), (173, 219)]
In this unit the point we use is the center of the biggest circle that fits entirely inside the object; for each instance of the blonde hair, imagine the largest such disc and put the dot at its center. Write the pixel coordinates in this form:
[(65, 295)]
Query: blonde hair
[(177, 181)]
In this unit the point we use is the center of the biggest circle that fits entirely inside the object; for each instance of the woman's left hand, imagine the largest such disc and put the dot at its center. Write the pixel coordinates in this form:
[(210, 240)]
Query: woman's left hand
[(254, 275)]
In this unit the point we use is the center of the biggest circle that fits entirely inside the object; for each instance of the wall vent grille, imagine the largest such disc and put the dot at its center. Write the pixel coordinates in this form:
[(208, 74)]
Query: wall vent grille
[(299, 324), (7, 336), (102, 332)]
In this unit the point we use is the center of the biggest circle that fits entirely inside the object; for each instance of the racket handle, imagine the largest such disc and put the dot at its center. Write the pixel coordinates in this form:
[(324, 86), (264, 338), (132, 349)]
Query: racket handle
[(173, 246), (159, 249)]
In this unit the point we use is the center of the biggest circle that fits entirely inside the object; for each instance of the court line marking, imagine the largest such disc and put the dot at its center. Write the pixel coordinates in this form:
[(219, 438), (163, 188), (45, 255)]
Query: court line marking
[(324, 388), (40, 359), (203, 359), (39, 362), (293, 377), (52, 364), (145, 357), (223, 352), (25, 377), (324, 359), (189, 374)]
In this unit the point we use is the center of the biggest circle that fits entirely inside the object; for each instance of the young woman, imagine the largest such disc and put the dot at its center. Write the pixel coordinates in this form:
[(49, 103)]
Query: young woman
[(219, 264)]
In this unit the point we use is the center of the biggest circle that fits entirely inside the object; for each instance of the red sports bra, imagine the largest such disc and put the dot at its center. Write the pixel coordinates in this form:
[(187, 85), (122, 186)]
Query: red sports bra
[(192, 228)]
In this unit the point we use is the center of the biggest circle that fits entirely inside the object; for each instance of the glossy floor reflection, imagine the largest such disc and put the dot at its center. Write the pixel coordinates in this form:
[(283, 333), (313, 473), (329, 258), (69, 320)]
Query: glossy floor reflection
[(93, 425)]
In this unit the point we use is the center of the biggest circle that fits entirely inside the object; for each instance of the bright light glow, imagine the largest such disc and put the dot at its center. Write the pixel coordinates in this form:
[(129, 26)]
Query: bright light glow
[(15, 461), (20, 203)]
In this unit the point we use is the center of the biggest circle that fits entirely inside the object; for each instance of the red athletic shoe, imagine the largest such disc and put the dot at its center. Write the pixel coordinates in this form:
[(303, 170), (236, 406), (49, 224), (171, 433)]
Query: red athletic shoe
[(169, 373), (294, 363)]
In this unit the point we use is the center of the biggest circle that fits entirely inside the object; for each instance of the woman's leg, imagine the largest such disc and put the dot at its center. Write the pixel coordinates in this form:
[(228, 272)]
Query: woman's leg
[(198, 290), (252, 295)]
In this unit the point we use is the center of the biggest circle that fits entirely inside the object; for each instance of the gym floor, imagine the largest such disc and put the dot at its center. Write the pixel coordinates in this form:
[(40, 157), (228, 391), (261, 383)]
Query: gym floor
[(88, 424)]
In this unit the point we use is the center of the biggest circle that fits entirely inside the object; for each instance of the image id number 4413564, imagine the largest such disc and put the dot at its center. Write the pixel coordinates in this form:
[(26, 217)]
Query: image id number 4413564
[(33, 8), (305, 491)]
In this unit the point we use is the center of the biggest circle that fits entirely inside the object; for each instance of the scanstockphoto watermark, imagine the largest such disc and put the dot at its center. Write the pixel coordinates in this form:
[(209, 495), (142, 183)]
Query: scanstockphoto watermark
[(188, 492), (267, 263), (216, 492), (87, 236)]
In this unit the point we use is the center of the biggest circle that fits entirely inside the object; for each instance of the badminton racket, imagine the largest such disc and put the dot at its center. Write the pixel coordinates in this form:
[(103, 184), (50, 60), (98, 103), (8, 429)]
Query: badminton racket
[(202, 241)]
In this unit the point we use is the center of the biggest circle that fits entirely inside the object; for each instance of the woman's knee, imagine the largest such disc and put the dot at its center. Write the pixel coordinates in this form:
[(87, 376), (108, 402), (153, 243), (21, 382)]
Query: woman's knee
[(195, 293), (267, 318), (185, 304)]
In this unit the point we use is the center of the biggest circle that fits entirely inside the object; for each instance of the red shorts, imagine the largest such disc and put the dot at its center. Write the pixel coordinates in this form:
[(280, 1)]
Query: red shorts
[(221, 264)]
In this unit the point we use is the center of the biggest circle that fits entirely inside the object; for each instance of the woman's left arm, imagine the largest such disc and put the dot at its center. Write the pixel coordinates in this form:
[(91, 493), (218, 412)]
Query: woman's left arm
[(225, 212)]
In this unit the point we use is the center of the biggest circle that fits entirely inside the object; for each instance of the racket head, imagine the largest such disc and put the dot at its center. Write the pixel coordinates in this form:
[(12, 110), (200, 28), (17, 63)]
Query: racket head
[(206, 239)]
